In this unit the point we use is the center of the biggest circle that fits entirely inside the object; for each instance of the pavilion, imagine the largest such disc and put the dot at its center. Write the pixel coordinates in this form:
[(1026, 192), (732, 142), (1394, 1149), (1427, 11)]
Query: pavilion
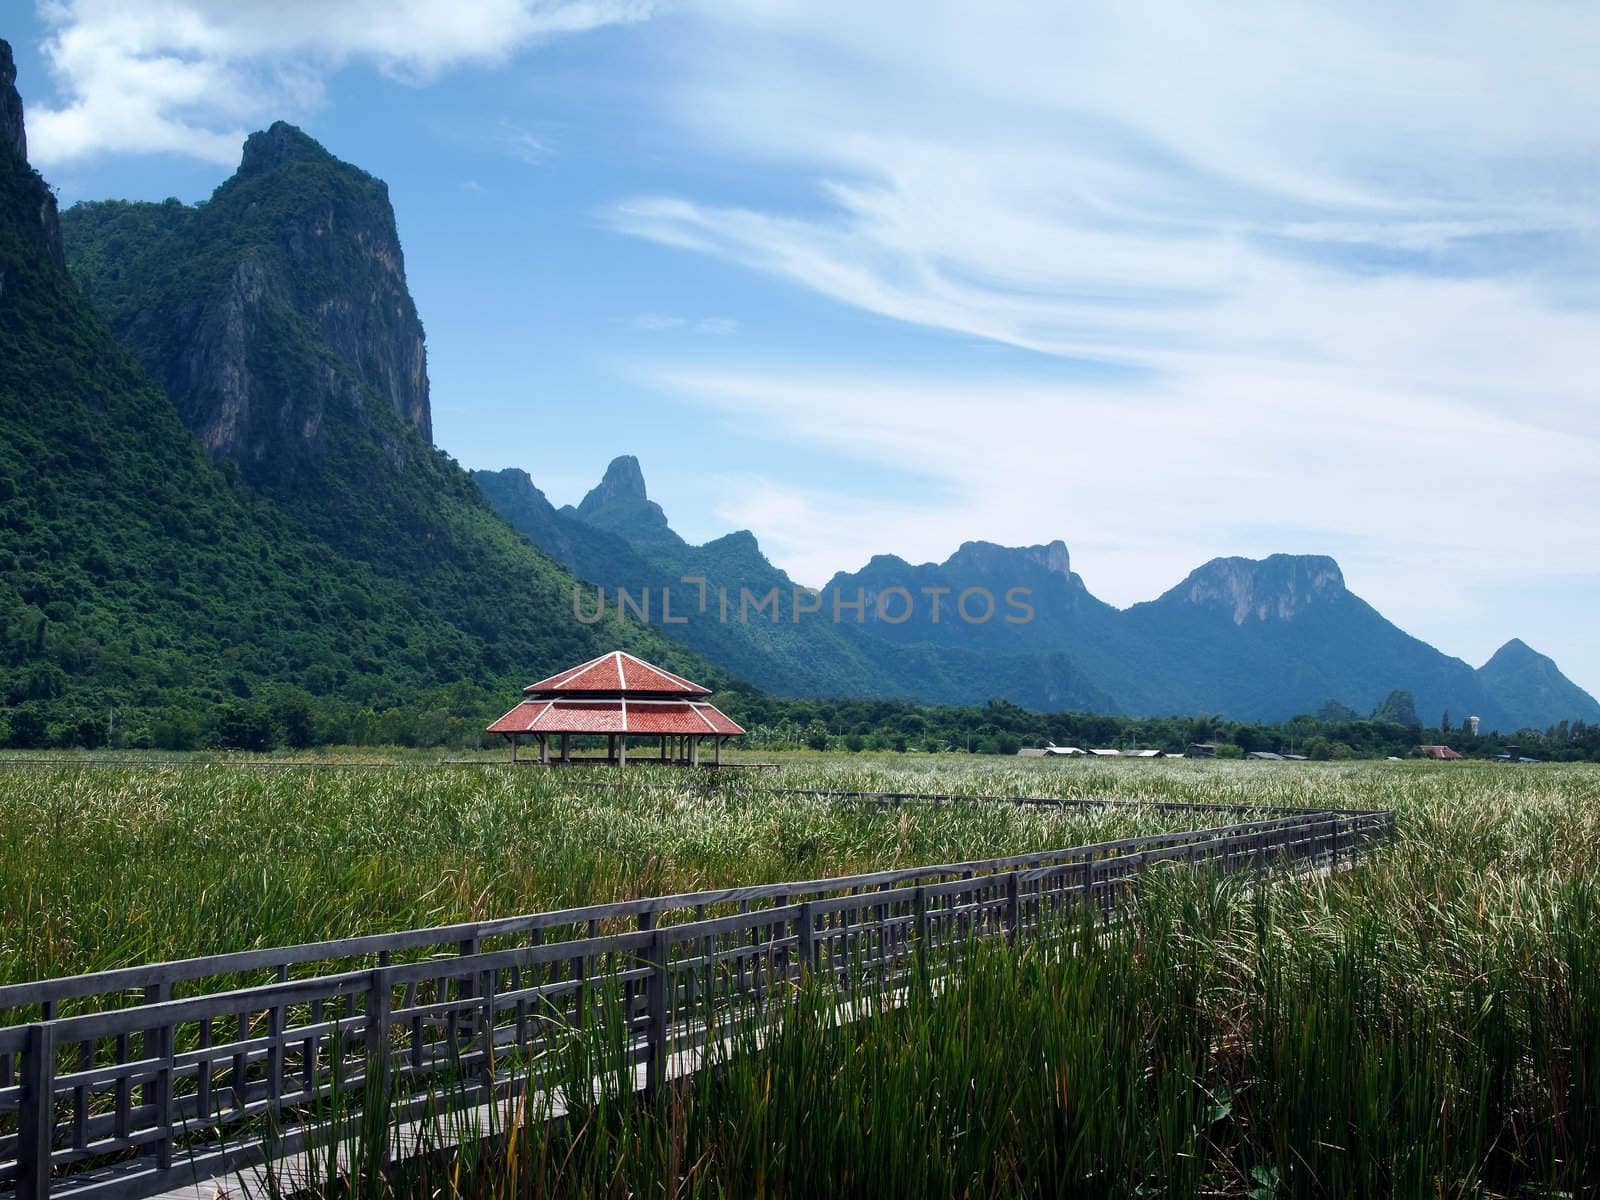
[(619, 696)]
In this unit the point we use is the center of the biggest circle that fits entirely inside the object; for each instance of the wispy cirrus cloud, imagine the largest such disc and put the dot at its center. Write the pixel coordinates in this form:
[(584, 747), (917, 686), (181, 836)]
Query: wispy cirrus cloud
[(188, 76), (1345, 257), (705, 326)]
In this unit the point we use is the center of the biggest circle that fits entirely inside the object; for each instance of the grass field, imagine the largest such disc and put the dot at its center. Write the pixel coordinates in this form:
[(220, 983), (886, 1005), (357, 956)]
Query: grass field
[(1427, 1023)]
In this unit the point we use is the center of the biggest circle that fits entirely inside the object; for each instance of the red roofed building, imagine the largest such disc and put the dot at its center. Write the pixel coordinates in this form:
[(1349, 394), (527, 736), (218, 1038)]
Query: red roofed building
[(1443, 753), (619, 696)]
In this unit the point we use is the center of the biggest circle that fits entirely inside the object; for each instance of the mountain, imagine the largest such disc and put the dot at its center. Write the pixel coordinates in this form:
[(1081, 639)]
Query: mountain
[(1250, 639), (618, 504), (277, 319), (743, 616), (1265, 639), (1531, 686), (139, 581)]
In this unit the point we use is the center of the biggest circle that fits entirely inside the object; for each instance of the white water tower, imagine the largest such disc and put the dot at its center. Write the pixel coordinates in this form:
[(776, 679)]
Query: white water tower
[(1472, 726)]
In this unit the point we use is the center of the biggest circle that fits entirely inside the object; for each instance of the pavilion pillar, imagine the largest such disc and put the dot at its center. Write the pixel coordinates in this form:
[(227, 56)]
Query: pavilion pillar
[(512, 738), (565, 757), (544, 749), (663, 747), (694, 751), (717, 749), (622, 749)]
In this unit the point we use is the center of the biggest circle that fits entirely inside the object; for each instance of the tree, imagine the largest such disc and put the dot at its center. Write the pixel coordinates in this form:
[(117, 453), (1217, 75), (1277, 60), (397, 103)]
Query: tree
[(246, 727), (176, 731), (1335, 712), (28, 731), (1444, 722), (1399, 707)]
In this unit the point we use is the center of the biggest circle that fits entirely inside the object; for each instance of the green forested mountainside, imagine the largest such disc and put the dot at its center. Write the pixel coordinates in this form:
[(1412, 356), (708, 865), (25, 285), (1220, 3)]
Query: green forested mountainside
[(257, 311), (151, 595), (137, 575)]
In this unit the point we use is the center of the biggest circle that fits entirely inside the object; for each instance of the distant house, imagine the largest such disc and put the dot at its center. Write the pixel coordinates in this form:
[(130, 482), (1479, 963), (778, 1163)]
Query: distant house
[(1203, 750), (1106, 753), (1442, 753), (1265, 756), (1050, 750)]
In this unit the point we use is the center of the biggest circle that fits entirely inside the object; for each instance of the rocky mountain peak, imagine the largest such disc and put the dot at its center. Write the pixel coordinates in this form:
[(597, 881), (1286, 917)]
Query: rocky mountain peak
[(620, 503), (1278, 587), (280, 143), (1516, 652), (990, 558), (287, 336), (623, 483)]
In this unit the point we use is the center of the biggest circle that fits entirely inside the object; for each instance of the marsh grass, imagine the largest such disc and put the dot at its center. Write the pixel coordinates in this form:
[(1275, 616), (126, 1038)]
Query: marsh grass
[(108, 867), (1224, 1042), (1427, 1023)]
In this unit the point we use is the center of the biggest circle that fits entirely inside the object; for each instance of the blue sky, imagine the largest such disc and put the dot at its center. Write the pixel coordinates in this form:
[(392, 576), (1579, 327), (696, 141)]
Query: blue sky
[(1161, 281)]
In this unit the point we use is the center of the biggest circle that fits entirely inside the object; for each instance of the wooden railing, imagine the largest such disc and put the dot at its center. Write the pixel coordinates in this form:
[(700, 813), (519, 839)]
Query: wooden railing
[(129, 1082)]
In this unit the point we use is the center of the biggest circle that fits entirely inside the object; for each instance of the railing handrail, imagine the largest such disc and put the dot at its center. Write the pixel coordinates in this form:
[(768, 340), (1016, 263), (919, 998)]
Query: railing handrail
[(122, 979)]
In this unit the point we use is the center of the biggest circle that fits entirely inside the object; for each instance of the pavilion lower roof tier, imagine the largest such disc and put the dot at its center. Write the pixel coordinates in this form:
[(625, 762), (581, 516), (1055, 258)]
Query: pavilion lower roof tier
[(625, 716)]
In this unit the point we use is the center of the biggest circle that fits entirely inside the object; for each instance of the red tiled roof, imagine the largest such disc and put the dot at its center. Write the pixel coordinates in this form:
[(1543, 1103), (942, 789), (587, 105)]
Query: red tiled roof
[(616, 674), (616, 716)]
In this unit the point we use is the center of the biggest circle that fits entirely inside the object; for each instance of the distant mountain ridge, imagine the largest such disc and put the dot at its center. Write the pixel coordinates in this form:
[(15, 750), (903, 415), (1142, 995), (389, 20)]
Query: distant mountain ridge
[(1249, 639)]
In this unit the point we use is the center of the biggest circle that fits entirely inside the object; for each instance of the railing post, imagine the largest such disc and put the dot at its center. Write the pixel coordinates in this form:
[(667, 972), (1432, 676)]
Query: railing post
[(1013, 907), (379, 1002), (657, 1016), (806, 937), (37, 1114), (161, 1095)]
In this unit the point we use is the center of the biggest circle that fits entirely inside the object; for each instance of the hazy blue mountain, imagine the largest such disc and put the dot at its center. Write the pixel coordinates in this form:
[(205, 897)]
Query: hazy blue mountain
[(1265, 639), (1250, 639), (618, 538), (1532, 688)]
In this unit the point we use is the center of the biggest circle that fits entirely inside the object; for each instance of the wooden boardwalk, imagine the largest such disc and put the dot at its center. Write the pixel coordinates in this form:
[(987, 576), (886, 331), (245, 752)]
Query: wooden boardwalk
[(140, 1081)]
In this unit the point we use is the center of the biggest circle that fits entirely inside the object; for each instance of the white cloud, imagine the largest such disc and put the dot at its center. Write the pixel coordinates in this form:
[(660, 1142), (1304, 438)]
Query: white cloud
[(188, 76), (1348, 253), (656, 323), (705, 326)]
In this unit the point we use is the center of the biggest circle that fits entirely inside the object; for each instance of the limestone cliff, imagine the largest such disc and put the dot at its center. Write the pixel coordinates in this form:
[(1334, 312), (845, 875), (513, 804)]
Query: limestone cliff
[(272, 311), (43, 225)]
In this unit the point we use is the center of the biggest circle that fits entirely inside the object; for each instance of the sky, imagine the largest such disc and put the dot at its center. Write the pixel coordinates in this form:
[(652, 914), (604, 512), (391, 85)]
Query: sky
[(1166, 281)]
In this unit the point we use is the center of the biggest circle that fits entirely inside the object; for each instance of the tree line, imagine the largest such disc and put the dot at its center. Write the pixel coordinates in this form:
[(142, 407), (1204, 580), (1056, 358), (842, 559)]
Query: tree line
[(286, 717)]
